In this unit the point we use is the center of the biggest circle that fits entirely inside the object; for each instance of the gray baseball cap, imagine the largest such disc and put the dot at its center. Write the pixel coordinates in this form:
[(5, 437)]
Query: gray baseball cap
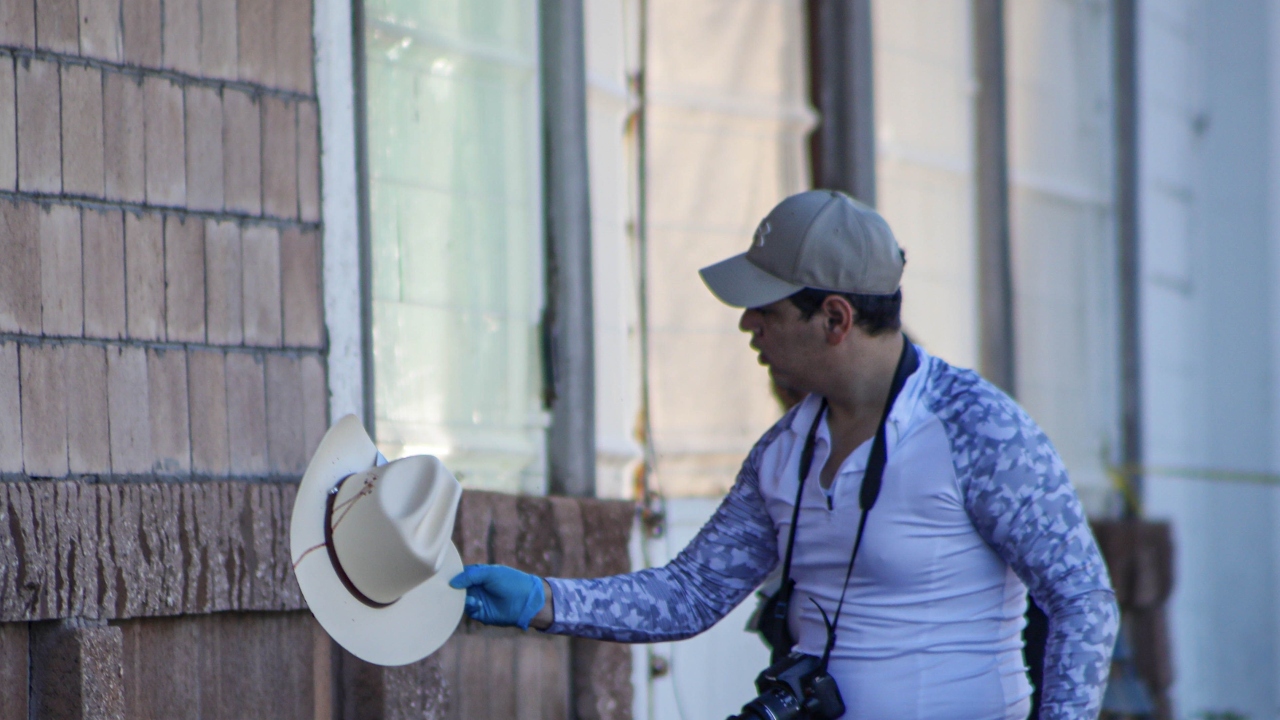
[(819, 239)]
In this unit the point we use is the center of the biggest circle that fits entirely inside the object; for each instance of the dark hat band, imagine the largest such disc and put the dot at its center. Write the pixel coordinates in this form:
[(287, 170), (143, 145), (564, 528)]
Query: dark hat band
[(333, 552)]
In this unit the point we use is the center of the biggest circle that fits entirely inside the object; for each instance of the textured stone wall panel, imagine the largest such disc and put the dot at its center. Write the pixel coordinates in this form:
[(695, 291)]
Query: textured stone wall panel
[(473, 675), (101, 35), (10, 410), (82, 156), (563, 537), (124, 154), (18, 24), (566, 517), (9, 134), (504, 532), (61, 272), (471, 530), (39, 128), (424, 690), (608, 525), (112, 551), (218, 38), (20, 272), (537, 545), (104, 310), (56, 26), (132, 550), (542, 678), (601, 680), (14, 665), (227, 666), (76, 672)]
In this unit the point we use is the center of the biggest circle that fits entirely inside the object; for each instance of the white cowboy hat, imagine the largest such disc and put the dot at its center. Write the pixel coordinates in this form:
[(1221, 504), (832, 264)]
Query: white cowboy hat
[(372, 549)]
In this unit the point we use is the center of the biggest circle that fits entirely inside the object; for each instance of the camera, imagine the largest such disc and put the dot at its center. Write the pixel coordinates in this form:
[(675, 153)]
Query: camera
[(797, 686)]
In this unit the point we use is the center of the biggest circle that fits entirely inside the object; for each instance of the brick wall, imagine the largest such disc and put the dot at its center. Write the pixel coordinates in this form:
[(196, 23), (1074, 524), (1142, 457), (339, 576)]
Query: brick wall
[(163, 383), (161, 357), (160, 304), (486, 673), (172, 595)]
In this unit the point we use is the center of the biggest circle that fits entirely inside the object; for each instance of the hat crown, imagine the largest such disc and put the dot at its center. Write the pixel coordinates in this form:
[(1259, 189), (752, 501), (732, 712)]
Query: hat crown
[(827, 240), (392, 525)]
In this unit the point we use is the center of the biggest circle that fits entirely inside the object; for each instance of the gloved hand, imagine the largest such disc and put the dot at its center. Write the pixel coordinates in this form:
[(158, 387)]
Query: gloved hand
[(500, 595)]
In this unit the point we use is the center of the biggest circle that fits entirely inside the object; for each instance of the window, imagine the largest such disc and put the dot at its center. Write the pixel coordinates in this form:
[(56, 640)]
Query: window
[(456, 232)]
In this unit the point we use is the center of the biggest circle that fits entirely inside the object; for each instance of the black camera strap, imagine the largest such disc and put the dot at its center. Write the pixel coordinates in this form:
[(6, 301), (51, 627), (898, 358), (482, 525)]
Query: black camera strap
[(870, 491), (773, 622), (871, 481)]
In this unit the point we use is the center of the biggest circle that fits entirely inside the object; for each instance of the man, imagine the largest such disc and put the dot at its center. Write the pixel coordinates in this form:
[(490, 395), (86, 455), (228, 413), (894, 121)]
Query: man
[(975, 506)]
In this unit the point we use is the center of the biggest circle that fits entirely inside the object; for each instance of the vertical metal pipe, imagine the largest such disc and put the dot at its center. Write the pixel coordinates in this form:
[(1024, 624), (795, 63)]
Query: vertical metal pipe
[(996, 349), (1124, 34), (841, 86), (567, 214)]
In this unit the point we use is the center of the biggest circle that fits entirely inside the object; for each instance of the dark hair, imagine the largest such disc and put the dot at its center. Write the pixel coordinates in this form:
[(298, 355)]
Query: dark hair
[(875, 313)]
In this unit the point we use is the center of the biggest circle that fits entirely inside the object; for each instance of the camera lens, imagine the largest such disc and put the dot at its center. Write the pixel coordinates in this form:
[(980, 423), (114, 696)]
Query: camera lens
[(773, 704)]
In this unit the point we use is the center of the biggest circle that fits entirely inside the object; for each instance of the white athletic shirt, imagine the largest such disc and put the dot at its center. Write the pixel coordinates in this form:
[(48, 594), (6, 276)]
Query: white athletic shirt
[(975, 507), (922, 566)]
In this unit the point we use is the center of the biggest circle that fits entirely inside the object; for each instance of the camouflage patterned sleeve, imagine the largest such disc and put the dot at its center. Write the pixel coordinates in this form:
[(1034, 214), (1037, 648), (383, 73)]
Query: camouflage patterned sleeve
[(732, 553), (1023, 505)]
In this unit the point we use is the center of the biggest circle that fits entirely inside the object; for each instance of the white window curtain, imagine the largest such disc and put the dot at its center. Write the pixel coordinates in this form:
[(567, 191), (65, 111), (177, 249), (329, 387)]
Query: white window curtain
[(455, 202), (729, 119)]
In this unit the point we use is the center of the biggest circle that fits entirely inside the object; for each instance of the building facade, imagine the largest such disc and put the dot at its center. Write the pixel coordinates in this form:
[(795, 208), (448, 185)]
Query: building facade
[(173, 345), (477, 226)]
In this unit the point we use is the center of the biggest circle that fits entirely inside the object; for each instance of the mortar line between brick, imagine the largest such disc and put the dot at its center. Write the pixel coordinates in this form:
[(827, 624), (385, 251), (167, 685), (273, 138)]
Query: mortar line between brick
[(174, 75), (92, 203), (292, 352)]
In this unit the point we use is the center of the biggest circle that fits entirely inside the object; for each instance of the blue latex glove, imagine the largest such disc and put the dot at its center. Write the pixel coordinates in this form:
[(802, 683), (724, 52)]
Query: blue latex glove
[(500, 595)]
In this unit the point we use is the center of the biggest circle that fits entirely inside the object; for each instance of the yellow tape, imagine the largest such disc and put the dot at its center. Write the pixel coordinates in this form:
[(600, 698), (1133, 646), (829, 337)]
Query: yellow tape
[(1190, 473), (1122, 478)]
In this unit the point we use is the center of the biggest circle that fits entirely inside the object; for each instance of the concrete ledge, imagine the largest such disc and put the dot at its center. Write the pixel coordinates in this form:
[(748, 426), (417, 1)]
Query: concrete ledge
[(99, 552), (108, 551), (124, 550)]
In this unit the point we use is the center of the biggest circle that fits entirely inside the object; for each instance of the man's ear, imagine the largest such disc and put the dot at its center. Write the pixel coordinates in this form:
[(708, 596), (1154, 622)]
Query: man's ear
[(839, 317)]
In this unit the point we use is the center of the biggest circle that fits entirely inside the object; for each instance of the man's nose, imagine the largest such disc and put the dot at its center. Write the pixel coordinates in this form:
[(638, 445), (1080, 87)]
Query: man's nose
[(749, 321)]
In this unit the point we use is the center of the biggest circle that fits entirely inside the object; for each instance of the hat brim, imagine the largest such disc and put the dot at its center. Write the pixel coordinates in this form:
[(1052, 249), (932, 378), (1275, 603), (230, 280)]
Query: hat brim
[(739, 283), (409, 629)]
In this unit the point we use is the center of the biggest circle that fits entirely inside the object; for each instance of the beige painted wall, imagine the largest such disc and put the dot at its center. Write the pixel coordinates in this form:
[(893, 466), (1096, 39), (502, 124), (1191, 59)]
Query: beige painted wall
[(924, 141), (728, 122), (1063, 232), (1061, 204)]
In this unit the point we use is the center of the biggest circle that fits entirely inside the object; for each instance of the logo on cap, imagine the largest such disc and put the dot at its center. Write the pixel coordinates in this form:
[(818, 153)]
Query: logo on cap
[(762, 232)]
